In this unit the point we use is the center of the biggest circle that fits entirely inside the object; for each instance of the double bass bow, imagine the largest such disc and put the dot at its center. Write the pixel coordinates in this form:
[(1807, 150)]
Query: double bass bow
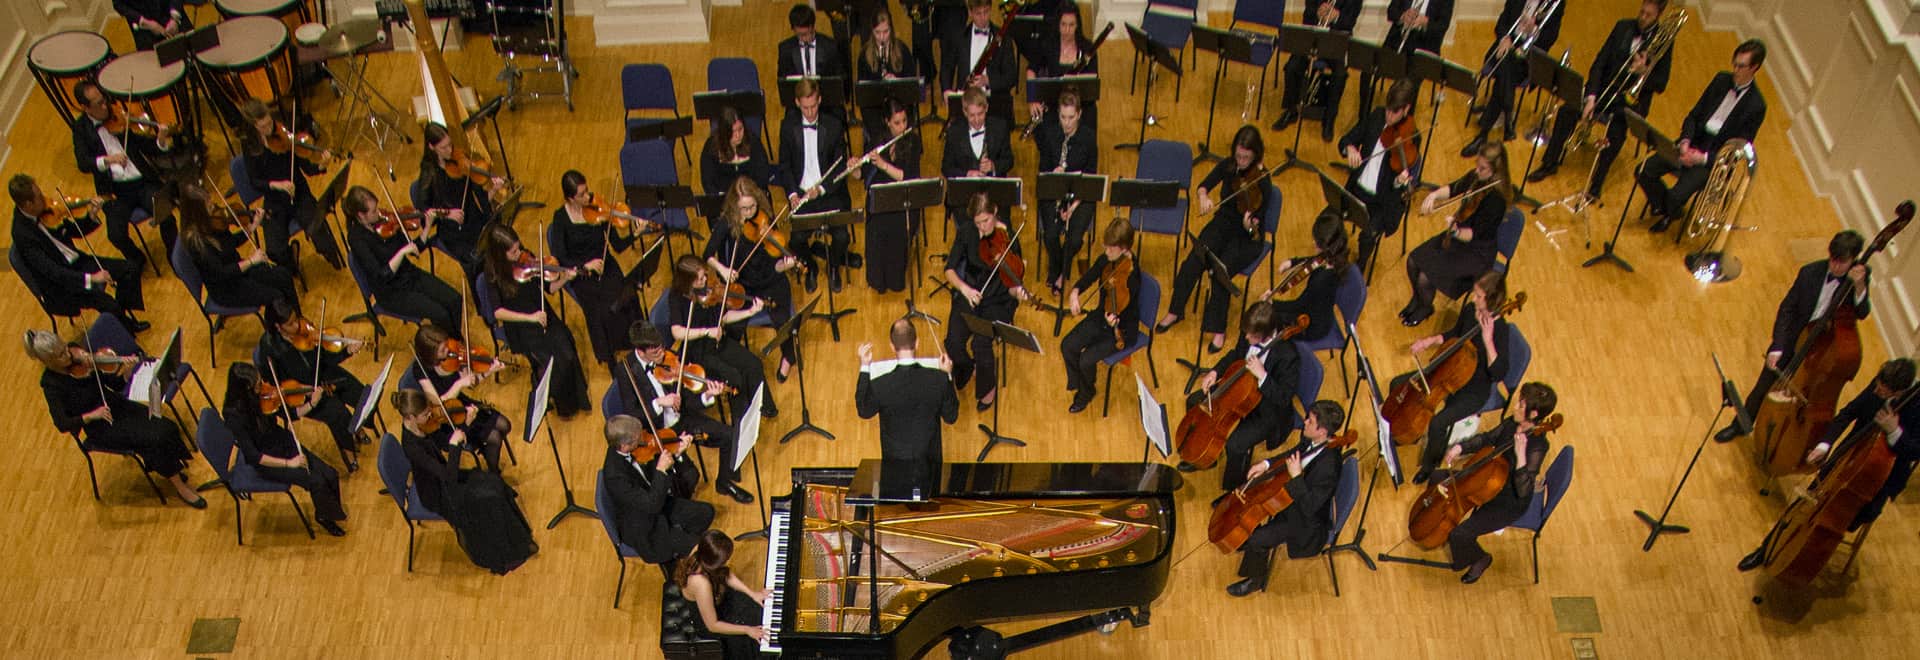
[(1246, 508), (1213, 412), (1416, 395), (1825, 358), (1448, 501)]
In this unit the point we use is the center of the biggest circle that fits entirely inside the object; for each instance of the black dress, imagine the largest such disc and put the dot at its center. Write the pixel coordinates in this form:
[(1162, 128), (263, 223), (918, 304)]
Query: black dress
[(1227, 236), (739, 609), (481, 425), (217, 257), (727, 359), (407, 290), (716, 176), (459, 239), (1451, 265), (1315, 300), (758, 275), (260, 435), (1471, 397), (1048, 65), (155, 439), (609, 300), (997, 303), (554, 343), (337, 405), (284, 210), (890, 233), (1509, 504)]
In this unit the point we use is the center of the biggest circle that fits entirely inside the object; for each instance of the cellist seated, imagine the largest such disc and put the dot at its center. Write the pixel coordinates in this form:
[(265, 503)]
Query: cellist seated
[(1274, 365), (1526, 453), (1892, 383), (1302, 526)]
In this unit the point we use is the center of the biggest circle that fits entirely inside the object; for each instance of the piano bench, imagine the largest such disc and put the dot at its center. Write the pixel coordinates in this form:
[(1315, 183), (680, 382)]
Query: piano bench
[(680, 630)]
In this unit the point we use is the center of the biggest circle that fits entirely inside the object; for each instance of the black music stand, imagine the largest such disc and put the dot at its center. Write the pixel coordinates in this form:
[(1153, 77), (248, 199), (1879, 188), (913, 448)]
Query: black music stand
[(1663, 147), (749, 104), (1363, 372), (1004, 192), (1313, 43), (1155, 54), (1002, 334), (1729, 399), (1228, 46), (1223, 279), (1375, 63), (1047, 90), (1426, 67), (663, 198), (1063, 188), (791, 329), (874, 93), (1350, 209), (909, 196), (833, 90), (812, 222), (1147, 194), (1567, 87), (677, 128), (536, 416)]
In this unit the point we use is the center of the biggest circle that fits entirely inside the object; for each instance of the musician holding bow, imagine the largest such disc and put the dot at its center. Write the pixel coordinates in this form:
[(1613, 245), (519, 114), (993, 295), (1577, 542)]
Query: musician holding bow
[(339, 392), (1104, 331), (669, 405), (1624, 54), (1449, 262), (458, 207), (213, 244), (1479, 319), (1274, 364), (740, 258), (98, 411), (709, 332), (1525, 448), (589, 239), (1326, 268), (45, 243), (1521, 22), (1383, 154), (121, 162), (382, 249), (1234, 235), (486, 429), (259, 424), (653, 511), (1730, 108), (913, 397), (1809, 298), (277, 168), (985, 285), (1314, 472), (521, 285)]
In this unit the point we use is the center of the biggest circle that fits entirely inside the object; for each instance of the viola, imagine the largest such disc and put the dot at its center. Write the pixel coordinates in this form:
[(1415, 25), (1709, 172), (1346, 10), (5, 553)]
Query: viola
[(306, 337), (282, 141), (733, 295), (1448, 501), (997, 248), (1297, 274), (1416, 395), (457, 356), (60, 211), (120, 122), (617, 214), (105, 361), (1403, 145), (528, 268), (462, 166), (1212, 414), (456, 413), (1113, 279), (691, 377), (289, 393), (1253, 195), (1260, 499), (664, 440)]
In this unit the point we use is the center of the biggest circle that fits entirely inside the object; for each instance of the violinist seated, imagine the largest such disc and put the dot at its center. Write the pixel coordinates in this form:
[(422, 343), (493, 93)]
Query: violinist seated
[(1064, 147), (1324, 272), (984, 270), (966, 45), (522, 281), (43, 235), (729, 153), (85, 395), (118, 151), (1525, 448), (1808, 299), (656, 388), (651, 489), (297, 351), (1730, 108), (1234, 234), (1110, 326), (451, 198), (978, 145), (754, 255), (278, 167), (913, 397), (448, 374), (813, 147), (1470, 244), (588, 236), (384, 244), (214, 236), (705, 317), (432, 445), (1480, 320), (1274, 364), (1383, 154), (1338, 16), (1314, 474), (259, 412), (481, 507)]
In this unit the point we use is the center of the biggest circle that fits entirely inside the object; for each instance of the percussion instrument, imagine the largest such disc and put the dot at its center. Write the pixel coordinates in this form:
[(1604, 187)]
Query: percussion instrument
[(138, 78), (61, 59), (292, 13), (251, 60), (308, 34)]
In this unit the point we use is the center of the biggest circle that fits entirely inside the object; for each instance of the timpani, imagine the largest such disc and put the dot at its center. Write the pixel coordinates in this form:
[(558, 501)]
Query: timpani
[(251, 60), (291, 13), (62, 59), (138, 79)]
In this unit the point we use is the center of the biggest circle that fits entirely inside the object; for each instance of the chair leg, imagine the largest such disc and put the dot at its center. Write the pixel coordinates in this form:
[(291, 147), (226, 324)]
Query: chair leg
[(300, 512), (239, 535), (409, 542), (619, 583), (148, 475), (1106, 393), (1536, 558), (1152, 370), (1334, 574), (213, 348), (90, 476)]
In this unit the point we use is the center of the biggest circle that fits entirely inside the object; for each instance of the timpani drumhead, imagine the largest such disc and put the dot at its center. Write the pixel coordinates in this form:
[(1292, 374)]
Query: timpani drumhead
[(70, 52), (308, 34), (138, 77), (274, 8), (245, 42)]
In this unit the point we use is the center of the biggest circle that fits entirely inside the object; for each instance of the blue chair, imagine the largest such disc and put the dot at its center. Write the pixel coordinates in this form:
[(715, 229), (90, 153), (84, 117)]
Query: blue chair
[(1350, 298), (1165, 160), (1260, 14), (372, 304), (603, 503), (484, 301), (1168, 23), (1269, 223), (395, 470), (650, 163), (1546, 498), (611, 404), (1306, 387), (108, 332), (240, 479), (189, 275), (87, 451), (648, 87), (1149, 313), (1519, 355), (135, 220), (1344, 497), (739, 74), (1508, 240), (61, 307)]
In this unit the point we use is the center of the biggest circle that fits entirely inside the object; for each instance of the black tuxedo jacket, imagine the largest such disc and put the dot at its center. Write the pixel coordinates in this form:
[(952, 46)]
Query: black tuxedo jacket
[(832, 144), (157, 10), (644, 510), (960, 157), (1430, 38), (1282, 360), (1303, 525), (1349, 14), (88, 149), (912, 402), (1365, 136), (1002, 72), (1082, 153), (1796, 310), (37, 250), (630, 378), (1510, 14), (827, 60), (1617, 52), (1744, 122)]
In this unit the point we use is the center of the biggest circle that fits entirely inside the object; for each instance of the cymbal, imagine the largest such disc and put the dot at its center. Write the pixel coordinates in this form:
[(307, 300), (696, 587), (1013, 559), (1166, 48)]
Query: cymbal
[(350, 36)]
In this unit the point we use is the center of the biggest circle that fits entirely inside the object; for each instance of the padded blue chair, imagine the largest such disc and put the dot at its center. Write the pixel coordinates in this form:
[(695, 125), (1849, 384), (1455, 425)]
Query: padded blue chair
[(1306, 389), (740, 74), (189, 276), (1508, 240), (1168, 23), (1260, 21), (240, 479), (140, 218), (1269, 223), (1344, 497), (648, 87), (1546, 498), (395, 472), (108, 333), (1149, 312), (611, 404), (484, 301), (603, 503), (1519, 355), (87, 451), (650, 163), (62, 307), (373, 307), (1165, 160), (1350, 298)]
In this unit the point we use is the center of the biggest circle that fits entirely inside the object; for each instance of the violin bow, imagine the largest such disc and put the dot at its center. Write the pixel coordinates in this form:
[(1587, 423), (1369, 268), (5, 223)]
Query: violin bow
[(318, 338), (286, 411), (208, 190), (384, 192), (84, 237), (1012, 240)]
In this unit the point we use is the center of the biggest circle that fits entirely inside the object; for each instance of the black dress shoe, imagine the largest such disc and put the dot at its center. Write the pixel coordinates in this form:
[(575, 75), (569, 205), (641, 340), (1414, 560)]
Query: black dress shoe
[(1474, 146), (769, 412), (854, 260), (137, 326), (1753, 560), (780, 375), (1661, 225), (812, 280), (833, 279), (1478, 569), (1215, 348), (1164, 327), (1080, 401), (333, 528), (1286, 119), (1728, 434), (199, 503), (1245, 588), (1187, 467), (982, 406), (1326, 130), (1541, 173), (734, 492), (1416, 317)]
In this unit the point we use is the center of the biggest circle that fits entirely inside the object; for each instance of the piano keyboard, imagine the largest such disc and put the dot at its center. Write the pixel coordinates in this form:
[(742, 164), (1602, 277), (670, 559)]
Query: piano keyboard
[(771, 616)]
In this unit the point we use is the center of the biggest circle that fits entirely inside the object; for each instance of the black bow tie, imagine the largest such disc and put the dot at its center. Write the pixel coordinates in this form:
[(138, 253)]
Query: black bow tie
[(808, 46), (982, 32), (809, 127), (978, 133), (1259, 348)]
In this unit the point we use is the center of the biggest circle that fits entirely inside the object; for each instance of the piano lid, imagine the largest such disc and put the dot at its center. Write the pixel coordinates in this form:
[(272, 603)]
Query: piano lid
[(871, 484)]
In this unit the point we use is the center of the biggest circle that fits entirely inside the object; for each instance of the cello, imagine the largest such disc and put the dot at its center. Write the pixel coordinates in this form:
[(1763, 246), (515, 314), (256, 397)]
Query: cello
[(1213, 413), (1826, 357), (1812, 527), (1259, 500), (1448, 501), (1415, 395)]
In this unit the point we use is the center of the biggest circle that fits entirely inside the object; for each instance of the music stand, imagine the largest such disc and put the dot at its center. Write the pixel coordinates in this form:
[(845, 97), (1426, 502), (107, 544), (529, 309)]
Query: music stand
[(1047, 90), (1227, 46), (1663, 147), (1002, 334), (1313, 43), (1147, 194), (1567, 87), (1383, 431), (1350, 209), (677, 128), (1223, 279), (1153, 421), (1063, 188), (750, 105), (1374, 62), (833, 90), (536, 417), (791, 329), (811, 222), (662, 198), (909, 196), (1729, 399), (369, 404), (1155, 54), (875, 93)]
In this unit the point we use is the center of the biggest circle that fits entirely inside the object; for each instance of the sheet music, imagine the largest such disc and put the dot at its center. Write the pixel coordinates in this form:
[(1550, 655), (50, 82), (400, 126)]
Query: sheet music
[(1153, 418), (749, 431), (140, 385)]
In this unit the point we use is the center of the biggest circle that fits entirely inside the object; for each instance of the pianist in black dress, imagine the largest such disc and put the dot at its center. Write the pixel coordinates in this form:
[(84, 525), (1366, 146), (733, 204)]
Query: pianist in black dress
[(736, 155), (730, 613), (98, 411)]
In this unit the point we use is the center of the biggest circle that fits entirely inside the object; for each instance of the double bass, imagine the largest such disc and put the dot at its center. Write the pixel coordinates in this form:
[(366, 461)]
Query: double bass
[(1448, 501), (1812, 527), (1213, 413), (1246, 508), (1806, 392), (1416, 395)]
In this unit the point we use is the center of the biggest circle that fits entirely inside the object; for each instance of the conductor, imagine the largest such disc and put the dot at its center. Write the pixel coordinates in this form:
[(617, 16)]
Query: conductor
[(908, 393)]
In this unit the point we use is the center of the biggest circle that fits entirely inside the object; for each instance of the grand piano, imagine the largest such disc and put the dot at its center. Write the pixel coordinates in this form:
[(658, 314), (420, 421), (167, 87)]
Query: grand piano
[(993, 542)]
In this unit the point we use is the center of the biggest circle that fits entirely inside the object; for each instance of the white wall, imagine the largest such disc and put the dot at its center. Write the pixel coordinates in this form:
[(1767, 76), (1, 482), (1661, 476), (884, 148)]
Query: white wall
[(22, 23)]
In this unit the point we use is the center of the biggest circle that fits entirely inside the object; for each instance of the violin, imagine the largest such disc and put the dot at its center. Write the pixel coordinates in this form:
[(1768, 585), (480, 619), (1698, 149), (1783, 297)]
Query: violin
[(105, 361), (1403, 146), (1260, 499), (1113, 281), (529, 268), (1448, 501), (618, 214), (1415, 395), (462, 166), (691, 377), (1253, 195), (761, 229), (456, 413), (282, 141), (1297, 274), (142, 125), (997, 249), (457, 356), (305, 337), (58, 212), (733, 295), (406, 220), (664, 440), (1212, 414), (289, 393)]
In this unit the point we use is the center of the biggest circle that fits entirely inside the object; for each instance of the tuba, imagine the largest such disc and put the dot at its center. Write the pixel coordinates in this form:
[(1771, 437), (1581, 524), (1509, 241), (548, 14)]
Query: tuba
[(1716, 210)]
